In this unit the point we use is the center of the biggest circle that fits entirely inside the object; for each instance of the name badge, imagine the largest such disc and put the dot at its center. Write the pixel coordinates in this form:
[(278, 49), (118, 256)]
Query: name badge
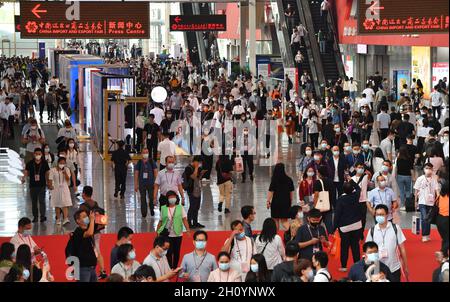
[(145, 175), (383, 253), (149, 136), (245, 268), (352, 169), (37, 178), (196, 278), (430, 198), (315, 250)]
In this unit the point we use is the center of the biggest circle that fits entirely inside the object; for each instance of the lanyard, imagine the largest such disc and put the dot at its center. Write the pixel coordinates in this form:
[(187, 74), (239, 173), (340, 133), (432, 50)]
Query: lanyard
[(239, 250), (310, 232), (157, 264), (171, 180), (23, 240), (125, 269), (194, 254), (38, 172), (385, 197)]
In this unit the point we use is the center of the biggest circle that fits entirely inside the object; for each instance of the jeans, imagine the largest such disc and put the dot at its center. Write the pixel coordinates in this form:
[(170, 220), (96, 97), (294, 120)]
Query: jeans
[(350, 240), (144, 191), (304, 130), (405, 187), (426, 227), (353, 95), (88, 274), (323, 46), (194, 207), (173, 254), (442, 226), (38, 198), (437, 109)]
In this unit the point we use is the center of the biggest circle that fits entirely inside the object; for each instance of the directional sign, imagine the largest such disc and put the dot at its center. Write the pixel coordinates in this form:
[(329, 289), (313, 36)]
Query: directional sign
[(198, 23), (93, 19)]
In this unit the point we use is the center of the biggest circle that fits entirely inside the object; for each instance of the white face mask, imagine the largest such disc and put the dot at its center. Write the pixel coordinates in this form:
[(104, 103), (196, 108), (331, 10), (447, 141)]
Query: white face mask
[(47, 150), (61, 166), (308, 152), (145, 156), (71, 145), (38, 157)]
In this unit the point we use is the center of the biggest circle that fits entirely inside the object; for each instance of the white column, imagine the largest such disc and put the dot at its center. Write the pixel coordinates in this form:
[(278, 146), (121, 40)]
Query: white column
[(252, 35), (242, 34), (167, 25)]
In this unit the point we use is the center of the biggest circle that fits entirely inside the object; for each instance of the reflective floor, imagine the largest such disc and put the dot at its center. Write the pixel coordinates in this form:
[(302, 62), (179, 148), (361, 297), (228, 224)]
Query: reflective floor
[(15, 202)]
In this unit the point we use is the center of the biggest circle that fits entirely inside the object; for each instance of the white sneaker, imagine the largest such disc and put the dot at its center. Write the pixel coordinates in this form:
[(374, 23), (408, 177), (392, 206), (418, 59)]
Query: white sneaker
[(66, 221), (403, 209), (342, 269), (58, 222), (426, 238)]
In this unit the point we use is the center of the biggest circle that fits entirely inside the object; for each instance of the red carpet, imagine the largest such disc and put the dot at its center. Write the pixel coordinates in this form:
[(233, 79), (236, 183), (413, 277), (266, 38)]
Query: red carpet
[(420, 255)]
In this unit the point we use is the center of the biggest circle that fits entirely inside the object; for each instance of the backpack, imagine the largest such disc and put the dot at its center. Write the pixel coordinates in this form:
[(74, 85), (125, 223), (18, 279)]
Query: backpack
[(188, 182), (394, 226), (70, 248)]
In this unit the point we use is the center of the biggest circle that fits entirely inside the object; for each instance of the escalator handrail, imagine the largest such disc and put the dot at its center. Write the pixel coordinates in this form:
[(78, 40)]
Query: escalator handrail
[(337, 51)]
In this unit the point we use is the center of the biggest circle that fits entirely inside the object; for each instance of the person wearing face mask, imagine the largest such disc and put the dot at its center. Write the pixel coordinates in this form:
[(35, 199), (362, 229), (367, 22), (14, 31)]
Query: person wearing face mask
[(157, 259), (368, 155), (348, 221), (127, 264), (168, 180), (354, 157), (73, 155), (192, 175), (241, 249), (33, 138), (339, 138), (67, 132), (339, 167), (145, 173), (311, 237), (165, 149), (387, 145), (166, 123), (371, 256), (121, 160), (306, 159), (314, 127), (82, 244), (361, 178), (303, 120), (270, 245), (224, 272), (366, 121), (124, 235), (38, 171), (173, 218), (48, 156), (390, 175), (140, 124), (318, 161), (23, 236), (304, 270), (258, 270), (58, 182), (198, 265), (383, 122), (389, 237), (306, 190), (426, 190), (382, 195), (151, 135)]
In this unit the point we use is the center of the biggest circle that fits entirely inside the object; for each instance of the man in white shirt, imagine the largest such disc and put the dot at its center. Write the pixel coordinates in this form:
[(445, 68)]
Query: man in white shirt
[(387, 145), (388, 237), (436, 102), (7, 110), (165, 148), (445, 143), (383, 122), (320, 262), (363, 101), (235, 91), (370, 94), (158, 261), (159, 114), (426, 190), (23, 236)]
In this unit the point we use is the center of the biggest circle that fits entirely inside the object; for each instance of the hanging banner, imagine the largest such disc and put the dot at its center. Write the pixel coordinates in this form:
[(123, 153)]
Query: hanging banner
[(440, 71), (421, 67)]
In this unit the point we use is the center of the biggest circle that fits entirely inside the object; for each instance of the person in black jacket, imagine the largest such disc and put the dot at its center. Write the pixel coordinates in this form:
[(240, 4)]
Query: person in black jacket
[(337, 172), (348, 220), (339, 138), (358, 269), (284, 272)]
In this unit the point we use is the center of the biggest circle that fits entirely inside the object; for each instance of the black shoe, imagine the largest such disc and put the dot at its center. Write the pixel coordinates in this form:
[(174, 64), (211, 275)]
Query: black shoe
[(251, 178), (198, 225), (35, 219), (220, 207), (102, 275), (122, 196), (227, 211), (152, 212), (43, 219), (243, 180), (192, 226), (116, 194)]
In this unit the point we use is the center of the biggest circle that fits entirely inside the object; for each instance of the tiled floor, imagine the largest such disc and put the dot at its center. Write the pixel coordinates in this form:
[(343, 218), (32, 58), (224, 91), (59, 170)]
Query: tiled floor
[(15, 202)]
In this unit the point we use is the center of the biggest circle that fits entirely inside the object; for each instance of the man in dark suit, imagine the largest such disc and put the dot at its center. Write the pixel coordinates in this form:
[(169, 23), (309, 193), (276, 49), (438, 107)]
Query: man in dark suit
[(339, 137), (338, 167)]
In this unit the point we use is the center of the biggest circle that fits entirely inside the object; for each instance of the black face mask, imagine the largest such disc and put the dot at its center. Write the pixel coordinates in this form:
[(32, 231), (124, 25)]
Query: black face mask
[(314, 224)]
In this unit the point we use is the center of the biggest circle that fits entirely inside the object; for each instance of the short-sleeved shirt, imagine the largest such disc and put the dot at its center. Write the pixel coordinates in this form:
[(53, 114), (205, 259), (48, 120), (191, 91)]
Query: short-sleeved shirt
[(198, 267), (384, 120), (145, 170), (389, 240), (166, 148), (84, 248), (306, 233), (386, 197), (168, 181), (37, 173), (33, 137), (152, 133), (120, 158), (386, 147), (160, 266), (427, 189), (125, 272)]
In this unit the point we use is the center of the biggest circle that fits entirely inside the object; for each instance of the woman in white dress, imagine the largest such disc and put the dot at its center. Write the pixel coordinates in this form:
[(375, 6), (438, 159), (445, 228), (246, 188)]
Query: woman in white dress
[(58, 183)]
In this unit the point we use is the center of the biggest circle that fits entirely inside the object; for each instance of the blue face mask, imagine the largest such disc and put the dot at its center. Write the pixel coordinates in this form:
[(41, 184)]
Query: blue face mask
[(385, 168), (26, 233), (372, 257), (132, 255), (254, 267), (200, 245), (380, 219), (224, 266), (86, 220), (26, 274), (310, 275), (240, 236)]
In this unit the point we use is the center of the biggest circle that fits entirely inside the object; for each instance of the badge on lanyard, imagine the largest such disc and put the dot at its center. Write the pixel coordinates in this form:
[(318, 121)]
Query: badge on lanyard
[(145, 175), (383, 252), (149, 136), (196, 278), (37, 178)]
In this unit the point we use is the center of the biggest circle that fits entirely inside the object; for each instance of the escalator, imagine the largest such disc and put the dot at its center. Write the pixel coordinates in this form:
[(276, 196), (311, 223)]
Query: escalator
[(331, 61), (190, 36)]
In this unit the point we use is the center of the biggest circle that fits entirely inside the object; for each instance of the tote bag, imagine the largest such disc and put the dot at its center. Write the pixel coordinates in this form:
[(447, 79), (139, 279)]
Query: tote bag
[(323, 202)]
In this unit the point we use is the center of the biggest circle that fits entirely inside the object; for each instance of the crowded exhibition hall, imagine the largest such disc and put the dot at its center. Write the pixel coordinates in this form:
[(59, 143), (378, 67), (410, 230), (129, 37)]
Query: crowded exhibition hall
[(240, 141)]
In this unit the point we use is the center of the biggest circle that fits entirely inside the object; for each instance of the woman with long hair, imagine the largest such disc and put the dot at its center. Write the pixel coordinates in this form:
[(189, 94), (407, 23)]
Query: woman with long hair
[(280, 196), (313, 125), (442, 217), (305, 189), (270, 245), (258, 270), (405, 173)]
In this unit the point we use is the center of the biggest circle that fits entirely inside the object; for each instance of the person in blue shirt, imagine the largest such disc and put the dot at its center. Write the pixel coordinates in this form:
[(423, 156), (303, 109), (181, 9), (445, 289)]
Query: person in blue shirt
[(145, 172), (382, 195), (355, 157)]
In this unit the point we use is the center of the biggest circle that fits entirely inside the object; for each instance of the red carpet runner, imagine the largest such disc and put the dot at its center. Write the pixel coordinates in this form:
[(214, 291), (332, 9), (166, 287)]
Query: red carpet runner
[(420, 255)]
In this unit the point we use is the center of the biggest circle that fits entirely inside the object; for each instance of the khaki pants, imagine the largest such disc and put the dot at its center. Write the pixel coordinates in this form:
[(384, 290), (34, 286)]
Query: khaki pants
[(225, 191)]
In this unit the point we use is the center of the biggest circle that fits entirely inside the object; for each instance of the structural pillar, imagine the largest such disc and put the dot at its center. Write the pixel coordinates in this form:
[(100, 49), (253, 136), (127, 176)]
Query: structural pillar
[(167, 26), (242, 34), (252, 35)]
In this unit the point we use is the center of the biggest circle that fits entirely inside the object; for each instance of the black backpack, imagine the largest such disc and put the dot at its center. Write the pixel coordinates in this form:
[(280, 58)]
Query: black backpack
[(188, 182)]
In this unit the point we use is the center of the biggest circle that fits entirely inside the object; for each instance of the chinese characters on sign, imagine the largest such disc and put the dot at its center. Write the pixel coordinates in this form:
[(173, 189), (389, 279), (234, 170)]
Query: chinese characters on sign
[(198, 23), (97, 20), (384, 17)]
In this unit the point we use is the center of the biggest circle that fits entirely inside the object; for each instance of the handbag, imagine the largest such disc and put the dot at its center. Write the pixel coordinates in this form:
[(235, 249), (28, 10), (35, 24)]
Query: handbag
[(323, 202), (433, 213)]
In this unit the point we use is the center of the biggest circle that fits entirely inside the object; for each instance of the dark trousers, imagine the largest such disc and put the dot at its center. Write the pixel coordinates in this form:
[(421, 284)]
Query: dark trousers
[(194, 207), (144, 191), (11, 126), (356, 138), (41, 108), (314, 139), (121, 179), (324, 15), (87, 274), (176, 113), (350, 240), (383, 133), (152, 149), (363, 208), (442, 226), (437, 110), (248, 165), (138, 142), (38, 199), (338, 188), (328, 221), (396, 276), (365, 134), (207, 164), (173, 254), (50, 112)]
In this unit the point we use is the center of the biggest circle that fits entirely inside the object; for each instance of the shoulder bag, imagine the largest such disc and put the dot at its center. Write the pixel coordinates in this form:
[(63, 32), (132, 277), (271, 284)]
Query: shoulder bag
[(323, 202)]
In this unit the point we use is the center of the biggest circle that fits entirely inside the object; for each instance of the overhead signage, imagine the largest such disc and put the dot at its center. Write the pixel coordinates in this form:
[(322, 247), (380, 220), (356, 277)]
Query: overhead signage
[(95, 19), (198, 23), (400, 17)]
